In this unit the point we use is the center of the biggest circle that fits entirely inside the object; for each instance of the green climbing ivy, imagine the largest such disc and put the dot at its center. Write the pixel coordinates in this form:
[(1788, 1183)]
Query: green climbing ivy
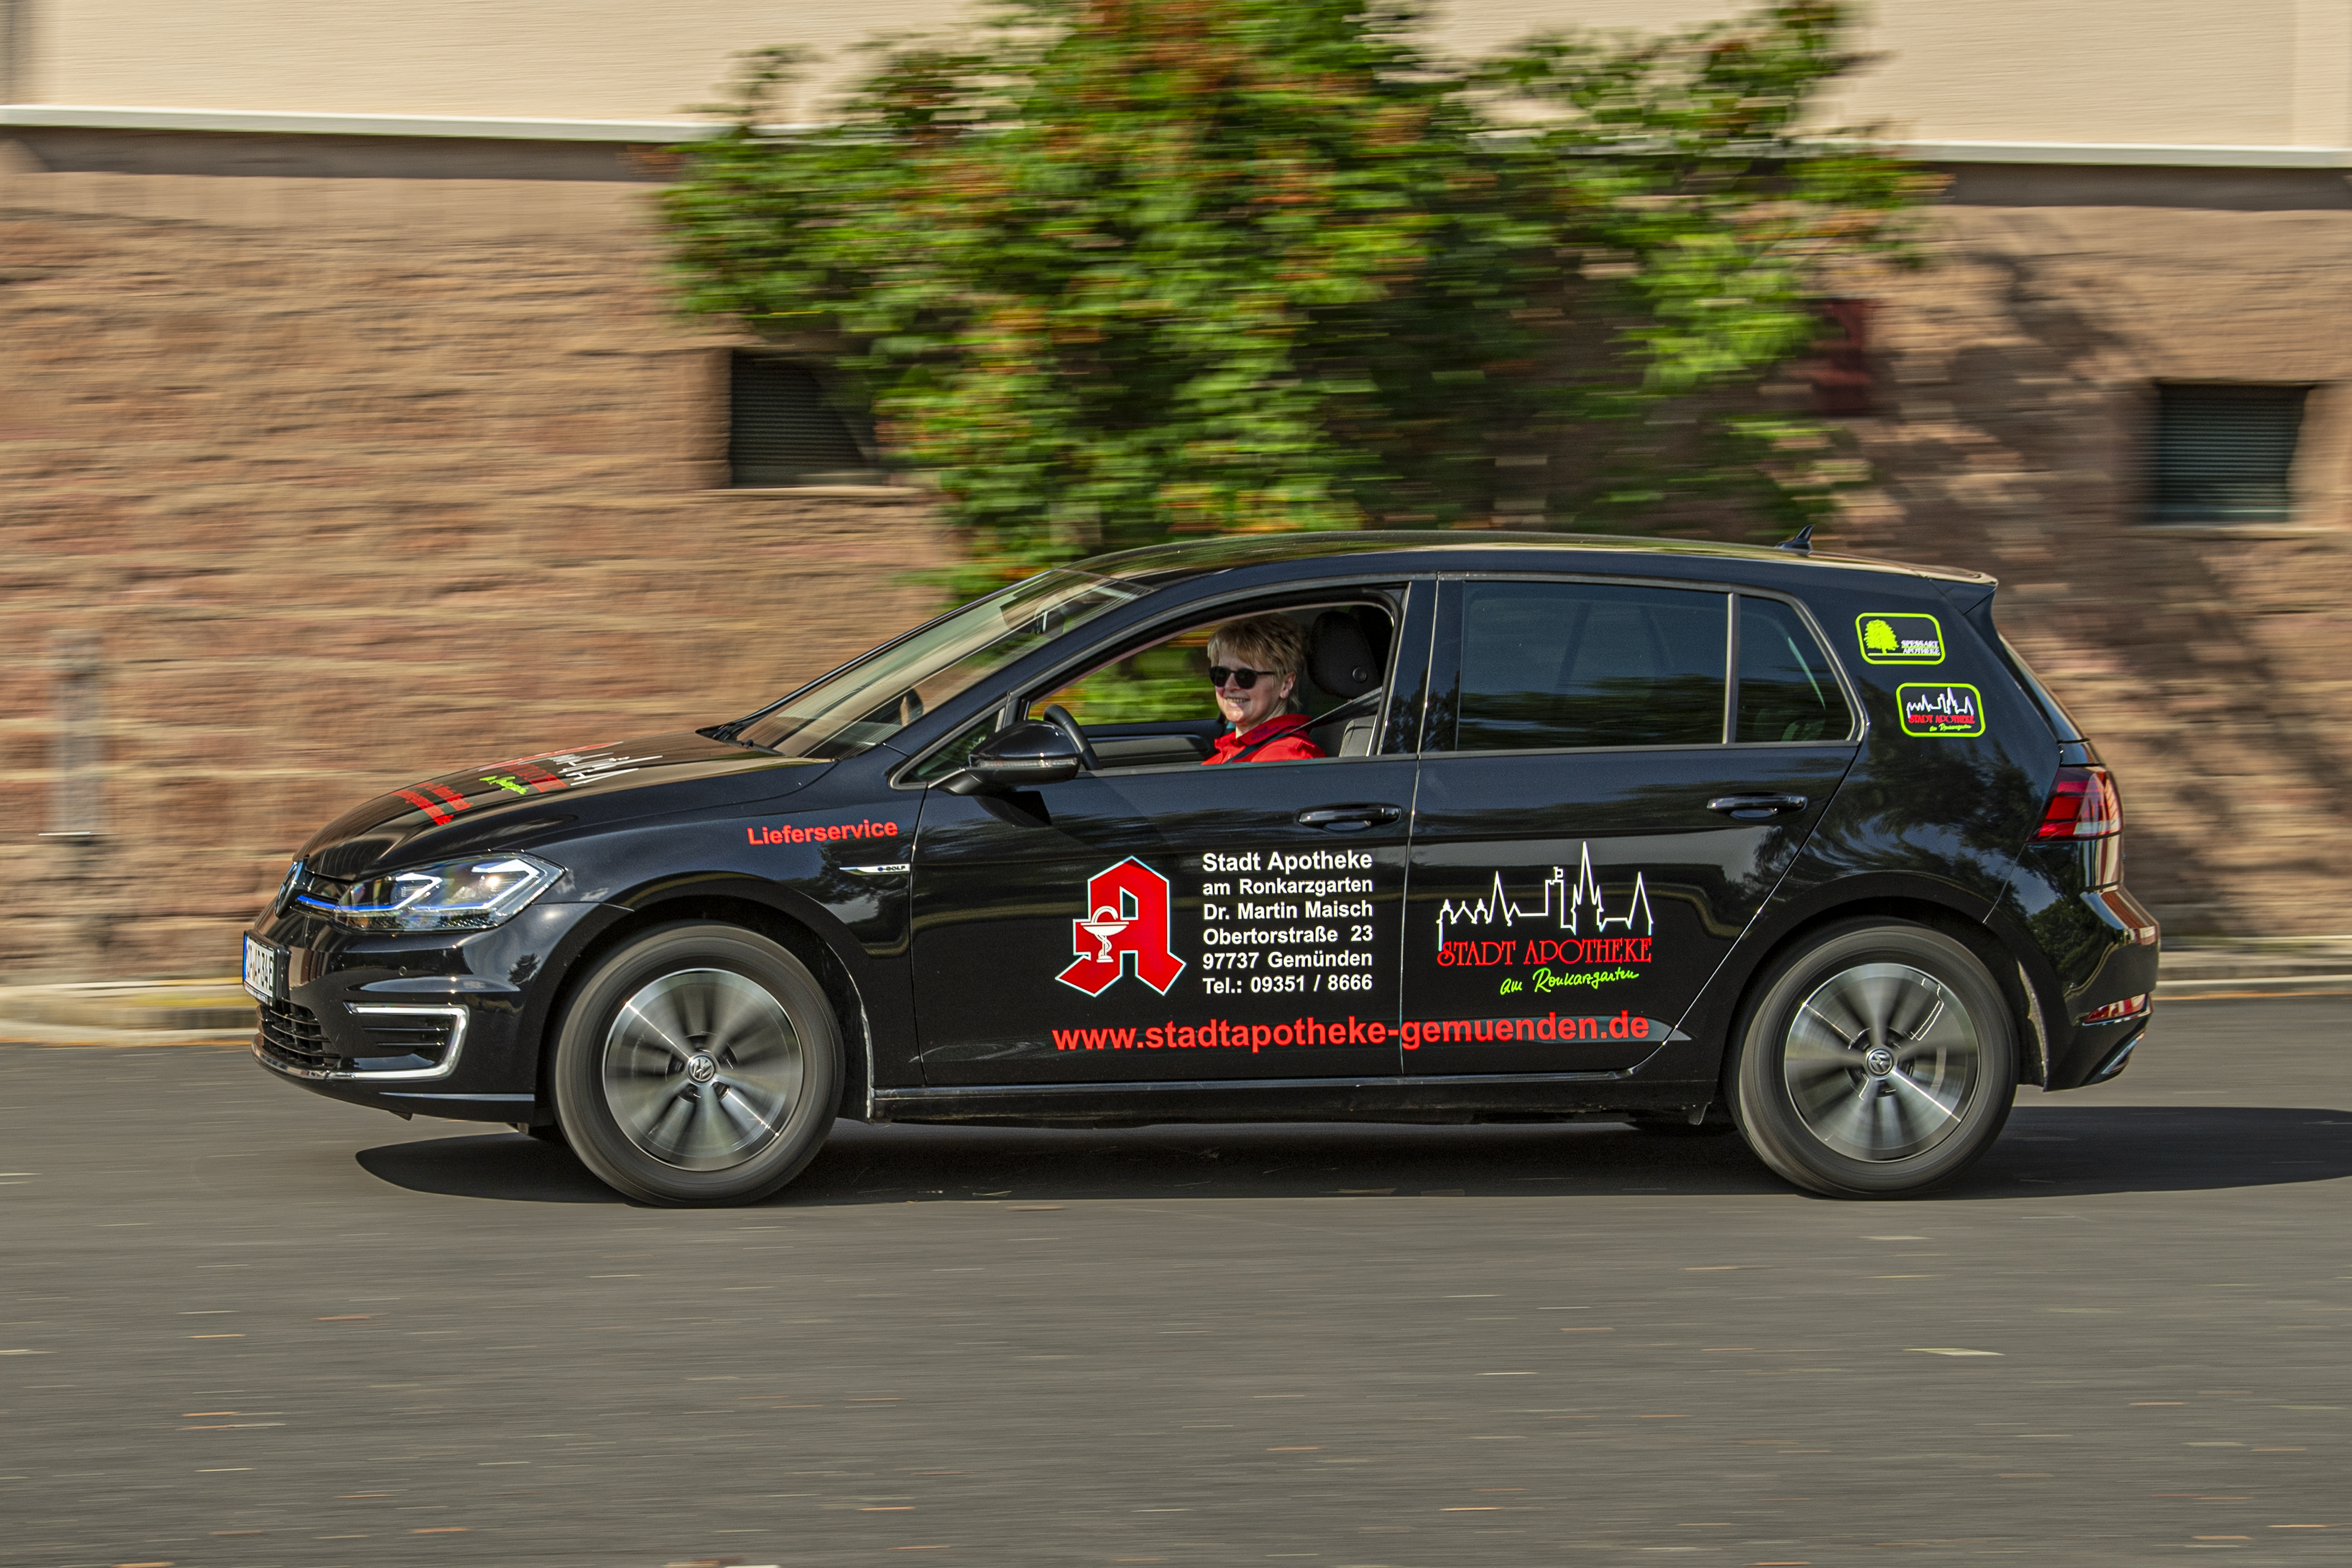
[(1111, 271)]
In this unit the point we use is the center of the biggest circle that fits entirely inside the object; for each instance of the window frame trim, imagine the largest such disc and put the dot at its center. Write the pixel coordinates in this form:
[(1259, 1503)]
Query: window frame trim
[(1446, 639)]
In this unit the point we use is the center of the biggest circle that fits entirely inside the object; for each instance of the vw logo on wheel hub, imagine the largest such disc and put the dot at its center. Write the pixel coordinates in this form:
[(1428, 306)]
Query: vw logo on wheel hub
[(1879, 1061), (700, 1068)]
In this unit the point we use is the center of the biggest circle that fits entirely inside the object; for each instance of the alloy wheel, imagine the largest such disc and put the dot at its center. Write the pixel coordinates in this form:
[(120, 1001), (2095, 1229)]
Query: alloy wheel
[(701, 1068), (1881, 1061)]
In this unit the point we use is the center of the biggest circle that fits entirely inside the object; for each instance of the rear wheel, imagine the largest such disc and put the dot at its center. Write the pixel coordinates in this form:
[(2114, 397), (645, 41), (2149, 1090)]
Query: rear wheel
[(700, 1064), (1878, 1061)]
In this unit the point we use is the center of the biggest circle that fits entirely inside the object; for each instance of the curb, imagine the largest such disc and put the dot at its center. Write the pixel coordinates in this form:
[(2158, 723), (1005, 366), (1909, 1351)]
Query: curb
[(2253, 986), (150, 1008), (15, 1032)]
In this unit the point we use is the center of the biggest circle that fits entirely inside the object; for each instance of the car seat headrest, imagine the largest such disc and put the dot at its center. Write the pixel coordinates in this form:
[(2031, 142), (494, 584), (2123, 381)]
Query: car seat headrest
[(1339, 656)]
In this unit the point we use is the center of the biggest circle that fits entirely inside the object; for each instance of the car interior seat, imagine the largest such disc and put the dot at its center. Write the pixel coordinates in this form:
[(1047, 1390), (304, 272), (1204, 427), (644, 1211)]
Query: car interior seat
[(1342, 659), (1782, 721)]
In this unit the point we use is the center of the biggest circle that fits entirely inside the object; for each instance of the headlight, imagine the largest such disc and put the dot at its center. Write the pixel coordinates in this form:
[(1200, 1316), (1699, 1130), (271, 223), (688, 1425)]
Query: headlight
[(458, 895)]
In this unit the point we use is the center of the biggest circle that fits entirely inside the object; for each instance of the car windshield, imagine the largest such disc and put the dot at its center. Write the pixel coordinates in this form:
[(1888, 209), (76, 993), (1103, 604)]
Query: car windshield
[(870, 701)]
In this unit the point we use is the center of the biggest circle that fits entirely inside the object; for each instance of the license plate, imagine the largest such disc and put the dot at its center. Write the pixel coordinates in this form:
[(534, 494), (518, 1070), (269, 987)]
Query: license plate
[(265, 969)]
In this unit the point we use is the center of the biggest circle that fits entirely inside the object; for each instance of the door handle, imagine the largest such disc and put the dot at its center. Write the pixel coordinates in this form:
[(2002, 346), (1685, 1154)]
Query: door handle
[(1755, 808), (1349, 818)]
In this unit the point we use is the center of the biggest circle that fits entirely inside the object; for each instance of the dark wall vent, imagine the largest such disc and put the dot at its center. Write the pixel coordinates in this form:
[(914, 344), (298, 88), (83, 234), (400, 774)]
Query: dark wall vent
[(781, 430), (2226, 454)]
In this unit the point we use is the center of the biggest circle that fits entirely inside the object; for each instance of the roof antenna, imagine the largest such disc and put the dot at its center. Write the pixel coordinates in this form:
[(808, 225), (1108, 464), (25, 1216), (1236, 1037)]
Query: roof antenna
[(1801, 541)]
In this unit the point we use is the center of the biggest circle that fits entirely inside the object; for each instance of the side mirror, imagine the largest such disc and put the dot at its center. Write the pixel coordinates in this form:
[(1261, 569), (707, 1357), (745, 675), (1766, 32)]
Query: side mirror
[(1032, 753)]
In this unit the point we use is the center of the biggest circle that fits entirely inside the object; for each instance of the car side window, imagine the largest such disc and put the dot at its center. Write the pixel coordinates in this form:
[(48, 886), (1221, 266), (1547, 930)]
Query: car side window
[(952, 756), (1161, 683), (1787, 690), (1155, 706), (1554, 665)]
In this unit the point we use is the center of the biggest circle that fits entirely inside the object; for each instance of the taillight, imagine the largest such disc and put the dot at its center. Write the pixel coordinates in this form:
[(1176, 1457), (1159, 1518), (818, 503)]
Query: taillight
[(2083, 804)]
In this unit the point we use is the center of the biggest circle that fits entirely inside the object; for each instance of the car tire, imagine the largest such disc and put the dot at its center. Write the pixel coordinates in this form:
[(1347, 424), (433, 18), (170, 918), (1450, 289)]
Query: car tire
[(697, 1064), (1878, 1060)]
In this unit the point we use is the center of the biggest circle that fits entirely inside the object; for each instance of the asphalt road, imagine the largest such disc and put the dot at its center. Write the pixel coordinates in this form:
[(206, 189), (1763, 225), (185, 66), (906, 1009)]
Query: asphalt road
[(245, 1326)]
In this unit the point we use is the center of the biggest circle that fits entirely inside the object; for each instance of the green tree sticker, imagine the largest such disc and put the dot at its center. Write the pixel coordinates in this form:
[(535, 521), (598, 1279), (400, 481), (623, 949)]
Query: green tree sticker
[(1898, 637)]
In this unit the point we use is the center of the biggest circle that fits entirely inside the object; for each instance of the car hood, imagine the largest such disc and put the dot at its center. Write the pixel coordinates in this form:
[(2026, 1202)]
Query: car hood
[(511, 804)]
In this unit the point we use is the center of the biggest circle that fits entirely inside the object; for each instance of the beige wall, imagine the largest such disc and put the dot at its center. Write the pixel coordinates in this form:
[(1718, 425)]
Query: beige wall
[(2248, 73), (579, 60), (2112, 70), (2253, 73)]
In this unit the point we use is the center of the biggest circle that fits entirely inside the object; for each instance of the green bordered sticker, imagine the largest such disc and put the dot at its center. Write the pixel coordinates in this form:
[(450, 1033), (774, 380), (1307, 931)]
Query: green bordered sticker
[(1943, 709), (1900, 637)]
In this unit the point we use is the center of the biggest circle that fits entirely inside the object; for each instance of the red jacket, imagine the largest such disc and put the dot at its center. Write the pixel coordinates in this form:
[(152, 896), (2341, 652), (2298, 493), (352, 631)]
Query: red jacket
[(1280, 739)]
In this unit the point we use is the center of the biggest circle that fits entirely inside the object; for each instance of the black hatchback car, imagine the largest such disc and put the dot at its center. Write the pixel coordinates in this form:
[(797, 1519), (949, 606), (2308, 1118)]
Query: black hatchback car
[(1693, 836)]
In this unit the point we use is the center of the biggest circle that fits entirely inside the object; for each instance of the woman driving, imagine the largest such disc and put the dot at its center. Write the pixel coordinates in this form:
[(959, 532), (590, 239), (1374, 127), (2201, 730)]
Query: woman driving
[(1254, 664)]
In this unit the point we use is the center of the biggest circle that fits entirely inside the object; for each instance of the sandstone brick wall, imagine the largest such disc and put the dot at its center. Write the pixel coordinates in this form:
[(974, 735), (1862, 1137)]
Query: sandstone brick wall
[(313, 486), (2212, 666), (345, 482)]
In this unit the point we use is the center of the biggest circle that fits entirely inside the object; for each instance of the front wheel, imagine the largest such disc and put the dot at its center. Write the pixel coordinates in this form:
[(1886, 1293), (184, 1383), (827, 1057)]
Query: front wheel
[(698, 1064), (1878, 1061)]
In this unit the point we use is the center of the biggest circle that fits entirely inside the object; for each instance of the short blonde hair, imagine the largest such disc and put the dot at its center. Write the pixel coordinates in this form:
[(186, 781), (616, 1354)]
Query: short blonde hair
[(1262, 642)]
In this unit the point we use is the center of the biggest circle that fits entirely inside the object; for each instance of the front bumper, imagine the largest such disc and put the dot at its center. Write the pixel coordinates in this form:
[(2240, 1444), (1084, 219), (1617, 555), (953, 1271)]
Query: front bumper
[(445, 1024)]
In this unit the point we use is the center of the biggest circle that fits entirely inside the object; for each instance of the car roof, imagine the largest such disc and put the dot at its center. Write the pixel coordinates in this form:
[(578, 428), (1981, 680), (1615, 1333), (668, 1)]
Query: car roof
[(1429, 550)]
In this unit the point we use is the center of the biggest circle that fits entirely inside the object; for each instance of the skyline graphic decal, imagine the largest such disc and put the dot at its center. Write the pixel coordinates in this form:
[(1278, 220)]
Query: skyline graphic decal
[(1567, 905)]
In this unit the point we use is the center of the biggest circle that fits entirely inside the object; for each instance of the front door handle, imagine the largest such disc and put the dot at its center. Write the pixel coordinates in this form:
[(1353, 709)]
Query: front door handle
[(1349, 818), (1755, 808)]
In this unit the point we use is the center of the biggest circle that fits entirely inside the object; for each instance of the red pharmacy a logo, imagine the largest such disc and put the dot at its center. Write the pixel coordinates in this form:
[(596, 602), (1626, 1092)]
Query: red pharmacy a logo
[(1127, 915)]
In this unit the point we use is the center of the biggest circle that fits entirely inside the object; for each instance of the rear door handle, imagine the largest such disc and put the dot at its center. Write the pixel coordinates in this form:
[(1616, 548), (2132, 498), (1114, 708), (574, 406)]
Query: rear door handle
[(1349, 818), (1755, 808)]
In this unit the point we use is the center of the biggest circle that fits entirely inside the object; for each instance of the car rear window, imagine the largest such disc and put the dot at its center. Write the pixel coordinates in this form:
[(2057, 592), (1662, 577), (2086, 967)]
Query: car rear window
[(1786, 690), (1554, 665)]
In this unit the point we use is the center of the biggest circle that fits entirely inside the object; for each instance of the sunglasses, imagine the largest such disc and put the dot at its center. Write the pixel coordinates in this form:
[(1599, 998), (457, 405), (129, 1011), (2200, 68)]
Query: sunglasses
[(1242, 679)]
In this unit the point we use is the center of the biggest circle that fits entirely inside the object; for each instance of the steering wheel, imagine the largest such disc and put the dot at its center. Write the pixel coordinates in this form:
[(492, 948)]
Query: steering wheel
[(1056, 714)]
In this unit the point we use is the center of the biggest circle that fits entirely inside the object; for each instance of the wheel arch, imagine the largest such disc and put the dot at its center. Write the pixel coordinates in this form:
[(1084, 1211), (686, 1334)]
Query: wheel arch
[(727, 902), (2001, 955)]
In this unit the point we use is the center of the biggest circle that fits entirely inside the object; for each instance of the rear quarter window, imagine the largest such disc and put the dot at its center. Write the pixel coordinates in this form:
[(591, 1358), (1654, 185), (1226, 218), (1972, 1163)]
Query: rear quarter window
[(1788, 689)]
